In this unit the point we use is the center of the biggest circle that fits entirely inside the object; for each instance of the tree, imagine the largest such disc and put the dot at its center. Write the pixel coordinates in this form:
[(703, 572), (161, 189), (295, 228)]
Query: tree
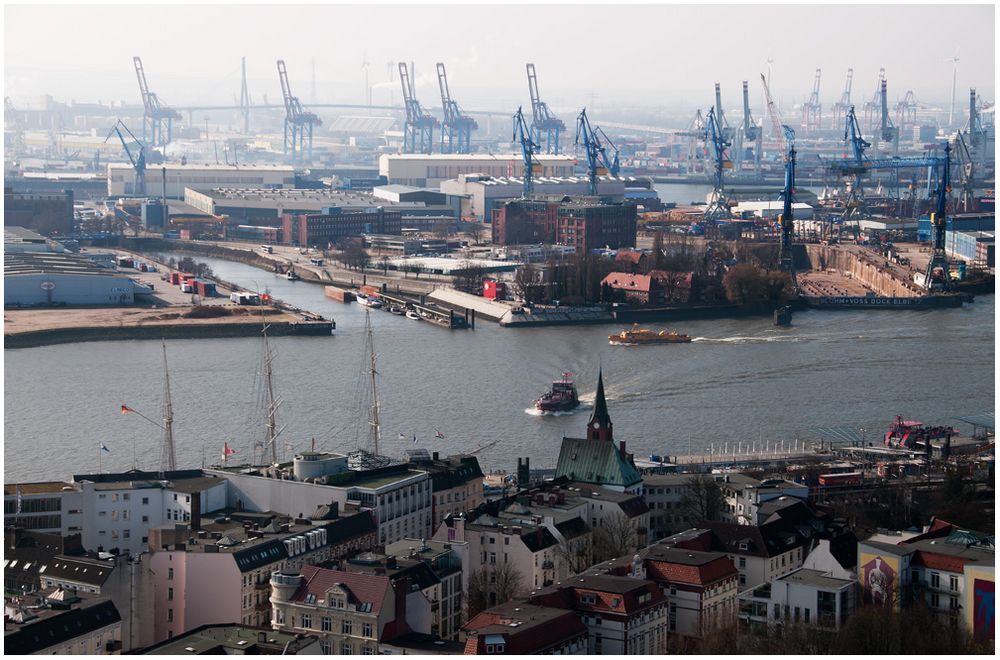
[(469, 277), (525, 285), (746, 284), (578, 553), (615, 536), (702, 499), (355, 256), (474, 230), (658, 256), (492, 585), (196, 268), (441, 229)]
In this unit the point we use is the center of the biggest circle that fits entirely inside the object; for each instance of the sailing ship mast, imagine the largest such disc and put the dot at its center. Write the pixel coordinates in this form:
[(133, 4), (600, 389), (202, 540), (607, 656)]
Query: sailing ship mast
[(373, 421), (271, 424), (169, 458)]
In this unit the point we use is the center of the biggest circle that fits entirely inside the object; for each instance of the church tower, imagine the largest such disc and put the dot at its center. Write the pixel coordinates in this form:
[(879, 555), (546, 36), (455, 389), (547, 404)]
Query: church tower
[(599, 427)]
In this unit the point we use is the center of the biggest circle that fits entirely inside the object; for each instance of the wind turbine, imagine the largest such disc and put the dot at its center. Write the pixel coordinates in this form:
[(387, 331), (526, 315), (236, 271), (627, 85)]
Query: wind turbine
[(954, 84), (368, 90)]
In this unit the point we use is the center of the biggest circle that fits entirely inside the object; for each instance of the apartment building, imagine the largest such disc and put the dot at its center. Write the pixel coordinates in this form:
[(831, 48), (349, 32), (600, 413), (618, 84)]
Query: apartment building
[(520, 628), (624, 615), (456, 482), (219, 572), (664, 494), (447, 593), (61, 623), (351, 613), (802, 597), (744, 496)]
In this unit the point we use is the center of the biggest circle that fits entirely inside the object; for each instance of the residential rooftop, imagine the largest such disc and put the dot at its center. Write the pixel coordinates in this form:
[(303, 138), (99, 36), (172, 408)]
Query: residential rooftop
[(815, 578), (231, 640)]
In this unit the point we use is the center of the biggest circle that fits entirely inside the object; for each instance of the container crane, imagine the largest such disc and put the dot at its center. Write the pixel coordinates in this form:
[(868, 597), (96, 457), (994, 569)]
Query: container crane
[(906, 112), (873, 105), (718, 205), (840, 107), (697, 132), (855, 208), (598, 162), (812, 110), (749, 133), (456, 131), (786, 220), (418, 134), (967, 169), (543, 121), (157, 118), (726, 130), (522, 135), (974, 128), (937, 277), (137, 158), (298, 122)]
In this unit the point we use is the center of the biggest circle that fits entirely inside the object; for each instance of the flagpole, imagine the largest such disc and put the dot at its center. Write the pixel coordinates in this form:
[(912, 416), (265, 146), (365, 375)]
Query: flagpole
[(100, 459)]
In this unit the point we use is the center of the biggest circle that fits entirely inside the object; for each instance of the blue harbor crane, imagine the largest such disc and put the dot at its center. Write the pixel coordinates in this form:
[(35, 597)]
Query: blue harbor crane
[(456, 130), (598, 161), (725, 129), (522, 135), (137, 158), (418, 133), (854, 207), (718, 205), (937, 277), (786, 220), (298, 122), (157, 118), (967, 172), (872, 106), (841, 107), (542, 120)]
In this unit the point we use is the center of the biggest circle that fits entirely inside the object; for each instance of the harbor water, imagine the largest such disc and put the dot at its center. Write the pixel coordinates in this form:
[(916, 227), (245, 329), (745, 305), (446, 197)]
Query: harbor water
[(739, 381)]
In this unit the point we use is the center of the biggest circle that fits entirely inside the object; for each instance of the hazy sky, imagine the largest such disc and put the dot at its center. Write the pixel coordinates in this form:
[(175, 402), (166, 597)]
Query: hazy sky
[(600, 55)]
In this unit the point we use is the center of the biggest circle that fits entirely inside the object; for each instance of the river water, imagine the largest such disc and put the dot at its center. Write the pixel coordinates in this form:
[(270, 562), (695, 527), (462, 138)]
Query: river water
[(740, 380)]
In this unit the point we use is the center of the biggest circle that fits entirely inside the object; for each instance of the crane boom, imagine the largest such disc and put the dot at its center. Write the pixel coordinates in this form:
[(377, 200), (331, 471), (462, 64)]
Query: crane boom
[(542, 120), (418, 135), (782, 133), (456, 131), (522, 135), (138, 160)]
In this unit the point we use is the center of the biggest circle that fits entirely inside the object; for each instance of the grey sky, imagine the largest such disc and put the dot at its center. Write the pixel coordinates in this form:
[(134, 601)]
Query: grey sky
[(622, 55)]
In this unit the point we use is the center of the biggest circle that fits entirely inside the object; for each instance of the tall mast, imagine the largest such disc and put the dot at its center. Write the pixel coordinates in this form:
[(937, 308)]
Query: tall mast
[(169, 459), (373, 420), (272, 404)]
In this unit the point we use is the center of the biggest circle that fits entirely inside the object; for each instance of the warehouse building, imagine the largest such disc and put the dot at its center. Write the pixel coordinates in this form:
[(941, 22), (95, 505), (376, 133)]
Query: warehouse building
[(20, 239), (429, 170), (334, 224), (44, 279), (480, 194), (585, 223), (47, 212), (121, 178), (976, 247)]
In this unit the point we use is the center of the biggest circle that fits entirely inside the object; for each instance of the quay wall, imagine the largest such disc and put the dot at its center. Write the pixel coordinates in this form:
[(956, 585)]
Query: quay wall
[(870, 270)]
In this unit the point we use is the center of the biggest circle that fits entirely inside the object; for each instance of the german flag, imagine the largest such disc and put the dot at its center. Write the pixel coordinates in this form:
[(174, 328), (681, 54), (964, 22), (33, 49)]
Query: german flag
[(126, 409)]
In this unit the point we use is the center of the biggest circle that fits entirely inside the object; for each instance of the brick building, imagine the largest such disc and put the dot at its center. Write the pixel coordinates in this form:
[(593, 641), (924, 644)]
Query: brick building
[(658, 287), (581, 222), (48, 213), (334, 224)]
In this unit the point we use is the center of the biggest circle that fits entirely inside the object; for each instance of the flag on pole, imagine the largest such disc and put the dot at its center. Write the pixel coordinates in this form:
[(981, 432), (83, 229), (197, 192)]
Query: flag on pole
[(414, 438), (126, 409), (227, 451), (402, 436), (438, 434), (105, 448)]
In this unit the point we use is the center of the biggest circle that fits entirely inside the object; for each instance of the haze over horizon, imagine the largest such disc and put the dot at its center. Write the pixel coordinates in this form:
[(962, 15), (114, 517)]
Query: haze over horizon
[(642, 56)]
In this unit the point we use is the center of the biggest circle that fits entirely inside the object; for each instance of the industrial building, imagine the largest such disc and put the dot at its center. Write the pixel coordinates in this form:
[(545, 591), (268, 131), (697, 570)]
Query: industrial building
[(336, 223), (429, 170), (255, 206), (45, 279), (121, 178), (48, 212), (583, 222), (973, 246), (480, 194), (19, 239)]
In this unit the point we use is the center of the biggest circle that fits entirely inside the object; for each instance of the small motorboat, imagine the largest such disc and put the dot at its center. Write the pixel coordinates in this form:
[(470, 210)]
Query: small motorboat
[(397, 310), (412, 314), (369, 301), (292, 276)]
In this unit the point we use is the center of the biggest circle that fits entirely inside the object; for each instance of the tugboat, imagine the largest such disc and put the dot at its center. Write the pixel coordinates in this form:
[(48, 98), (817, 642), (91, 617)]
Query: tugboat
[(561, 398), (292, 276), (369, 301), (637, 336)]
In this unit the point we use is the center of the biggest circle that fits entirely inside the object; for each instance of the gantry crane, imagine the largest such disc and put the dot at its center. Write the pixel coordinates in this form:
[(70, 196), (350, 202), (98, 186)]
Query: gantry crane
[(937, 277), (157, 118), (724, 128), (697, 132), (298, 122), (782, 132), (418, 133), (718, 205), (749, 133), (840, 107), (598, 161), (906, 112), (522, 135), (855, 208), (456, 131), (974, 127), (786, 221), (812, 110), (138, 159), (543, 121), (968, 173), (13, 121), (872, 107)]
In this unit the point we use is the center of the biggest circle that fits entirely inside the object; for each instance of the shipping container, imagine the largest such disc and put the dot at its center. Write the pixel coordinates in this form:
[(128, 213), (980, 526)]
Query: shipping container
[(206, 289)]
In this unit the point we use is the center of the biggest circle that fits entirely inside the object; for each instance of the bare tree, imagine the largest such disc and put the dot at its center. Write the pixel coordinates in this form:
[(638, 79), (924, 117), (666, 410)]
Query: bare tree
[(474, 230), (702, 499), (492, 585), (469, 277), (577, 554), (525, 281), (615, 536)]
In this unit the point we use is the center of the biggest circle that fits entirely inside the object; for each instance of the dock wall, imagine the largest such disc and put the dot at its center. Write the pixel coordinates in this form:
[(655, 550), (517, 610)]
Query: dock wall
[(870, 270)]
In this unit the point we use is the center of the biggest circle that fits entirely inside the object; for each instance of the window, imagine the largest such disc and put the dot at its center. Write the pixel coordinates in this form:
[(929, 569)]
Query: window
[(935, 580), (743, 562), (777, 612), (170, 573), (797, 612), (588, 599), (493, 557), (126, 534), (345, 627), (368, 650), (170, 593), (953, 582), (366, 630), (145, 500), (279, 616), (170, 615), (145, 519), (807, 615), (346, 648), (306, 621), (935, 601), (953, 602), (326, 624), (326, 647)]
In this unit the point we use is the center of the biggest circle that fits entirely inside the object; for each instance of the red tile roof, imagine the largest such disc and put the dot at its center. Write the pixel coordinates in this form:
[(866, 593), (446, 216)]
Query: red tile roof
[(527, 629), (362, 588), (629, 256), (627, 282), (688, 567)]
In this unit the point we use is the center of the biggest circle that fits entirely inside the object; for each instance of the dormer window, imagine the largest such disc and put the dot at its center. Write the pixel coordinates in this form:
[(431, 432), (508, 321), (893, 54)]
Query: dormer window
[(588, 599), (744, 545)]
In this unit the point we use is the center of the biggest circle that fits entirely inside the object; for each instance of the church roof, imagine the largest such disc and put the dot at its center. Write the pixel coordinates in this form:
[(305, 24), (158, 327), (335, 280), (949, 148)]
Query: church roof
[(595, 462)]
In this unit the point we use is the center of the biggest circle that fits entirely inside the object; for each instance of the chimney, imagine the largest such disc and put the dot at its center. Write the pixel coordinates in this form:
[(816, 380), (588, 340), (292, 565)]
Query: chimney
[(523, 472), (434, 456), (195, 512), (621, 448)]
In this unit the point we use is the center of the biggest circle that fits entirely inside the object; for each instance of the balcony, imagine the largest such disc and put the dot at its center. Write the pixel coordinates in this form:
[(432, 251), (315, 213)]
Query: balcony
[(547, 564)]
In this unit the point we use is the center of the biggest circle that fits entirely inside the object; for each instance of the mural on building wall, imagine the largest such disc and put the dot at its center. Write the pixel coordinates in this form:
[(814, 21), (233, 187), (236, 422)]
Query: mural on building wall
[(878, 577), (983, 609)]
